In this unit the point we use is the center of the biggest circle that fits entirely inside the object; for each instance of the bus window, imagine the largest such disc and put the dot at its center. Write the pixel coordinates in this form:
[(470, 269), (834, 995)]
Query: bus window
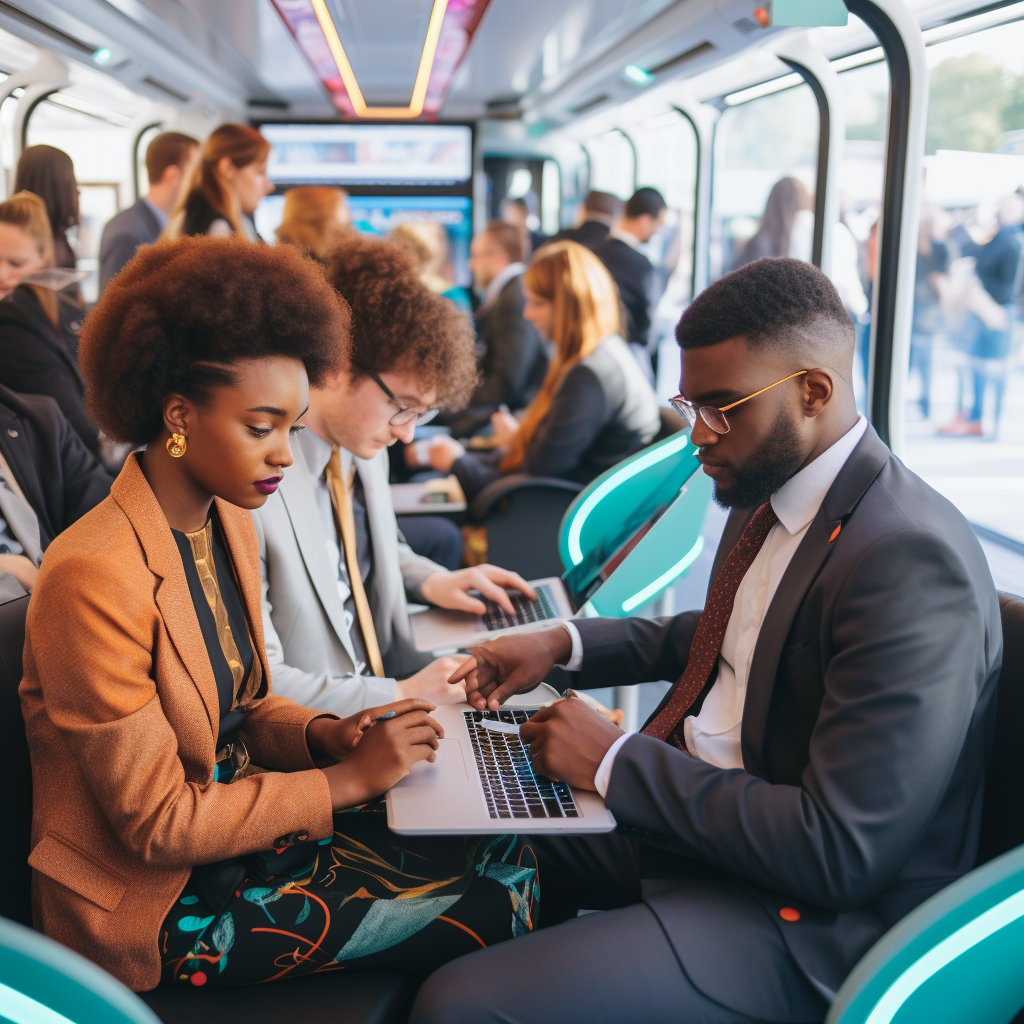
[(99, 139), (964, 398), (551, 198), (764, 145), (666, 148), (612, 163)]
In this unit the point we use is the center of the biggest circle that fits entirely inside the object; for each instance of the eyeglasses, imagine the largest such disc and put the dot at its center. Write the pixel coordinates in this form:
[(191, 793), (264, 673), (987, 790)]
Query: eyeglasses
[(715, 417), (405, 415)]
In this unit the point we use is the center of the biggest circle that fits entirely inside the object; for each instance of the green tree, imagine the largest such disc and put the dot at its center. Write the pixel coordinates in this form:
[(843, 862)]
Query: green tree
[(1013, 112), (967, 98)]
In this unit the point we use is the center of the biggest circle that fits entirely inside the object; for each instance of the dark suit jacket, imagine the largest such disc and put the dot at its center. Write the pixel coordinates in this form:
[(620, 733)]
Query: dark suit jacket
[(123, 234), (513, 361), (34, 360), (865, 736), (590, 233), (603, 411), (60, 478), (633, 272)]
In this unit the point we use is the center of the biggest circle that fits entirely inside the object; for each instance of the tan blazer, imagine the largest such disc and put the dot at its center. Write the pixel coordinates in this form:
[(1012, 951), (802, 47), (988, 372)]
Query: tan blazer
[(121, 711)]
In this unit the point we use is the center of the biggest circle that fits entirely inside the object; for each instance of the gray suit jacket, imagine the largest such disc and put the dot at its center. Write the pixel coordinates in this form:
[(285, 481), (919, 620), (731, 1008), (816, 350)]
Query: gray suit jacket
[(122, 235), (865, 735), (308, 645)]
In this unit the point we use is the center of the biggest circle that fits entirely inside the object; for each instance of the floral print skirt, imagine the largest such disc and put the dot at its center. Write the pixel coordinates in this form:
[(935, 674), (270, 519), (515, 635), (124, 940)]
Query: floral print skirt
[(367, 898)]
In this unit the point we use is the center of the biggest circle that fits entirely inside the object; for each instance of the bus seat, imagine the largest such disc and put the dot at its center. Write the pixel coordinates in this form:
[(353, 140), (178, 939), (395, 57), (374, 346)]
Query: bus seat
[(522, 514), (42, 971), (957, 957)]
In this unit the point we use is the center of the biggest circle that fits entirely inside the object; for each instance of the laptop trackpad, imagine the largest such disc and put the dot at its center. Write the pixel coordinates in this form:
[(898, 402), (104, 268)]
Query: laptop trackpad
[(449, 767)]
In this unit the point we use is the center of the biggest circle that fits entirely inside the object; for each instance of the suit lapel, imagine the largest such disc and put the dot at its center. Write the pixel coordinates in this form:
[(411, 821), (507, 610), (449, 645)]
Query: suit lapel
[(299, 497), (19, 458), (863, 465), (149, 217), (132, 492)]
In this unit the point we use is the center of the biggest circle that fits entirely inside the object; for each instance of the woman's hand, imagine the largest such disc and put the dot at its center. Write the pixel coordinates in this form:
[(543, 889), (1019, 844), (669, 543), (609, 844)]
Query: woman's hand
[(506, 426), (21, 568), (384, 755), (443, 452), (334, 739)]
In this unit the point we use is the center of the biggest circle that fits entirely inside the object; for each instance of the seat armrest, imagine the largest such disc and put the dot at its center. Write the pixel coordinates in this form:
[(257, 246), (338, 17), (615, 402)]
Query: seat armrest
[(482, 504)]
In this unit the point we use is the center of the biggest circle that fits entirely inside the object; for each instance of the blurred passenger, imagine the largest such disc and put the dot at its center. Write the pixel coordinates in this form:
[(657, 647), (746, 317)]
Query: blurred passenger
[(513, 361), (315, 218), (147, 686), (988, 328), (598, 214), (595, 407), (35, 358), (426, 243), (227, 186), (784, 225), (50, 174), (932, 268), (48, 479), (336, 641), (631, 270), (170, 158), (519, 213)]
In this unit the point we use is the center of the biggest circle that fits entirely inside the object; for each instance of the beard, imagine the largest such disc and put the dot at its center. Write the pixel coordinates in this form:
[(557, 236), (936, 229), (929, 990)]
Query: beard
[(771, 465)]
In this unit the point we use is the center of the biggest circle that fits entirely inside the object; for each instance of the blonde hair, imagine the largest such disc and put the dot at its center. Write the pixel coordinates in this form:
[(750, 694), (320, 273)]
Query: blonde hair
[(426, 241), (585, 311), (27, 212), (243, 146), (311, 218)]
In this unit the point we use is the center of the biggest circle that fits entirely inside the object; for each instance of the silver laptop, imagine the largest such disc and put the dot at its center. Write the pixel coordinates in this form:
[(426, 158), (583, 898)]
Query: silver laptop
[(482, 782), (438, 628)]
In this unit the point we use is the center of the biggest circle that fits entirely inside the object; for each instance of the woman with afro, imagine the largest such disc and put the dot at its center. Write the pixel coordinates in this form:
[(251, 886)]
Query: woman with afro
[(160, 850)]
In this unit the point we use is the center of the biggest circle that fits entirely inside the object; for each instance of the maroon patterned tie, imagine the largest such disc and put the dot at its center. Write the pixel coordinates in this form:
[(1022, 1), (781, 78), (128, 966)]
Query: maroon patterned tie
[(707, 640)]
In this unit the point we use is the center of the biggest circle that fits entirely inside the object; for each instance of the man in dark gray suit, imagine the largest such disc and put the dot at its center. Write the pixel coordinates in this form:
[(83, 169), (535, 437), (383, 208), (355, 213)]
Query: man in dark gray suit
[(817, 771), (170, 158)]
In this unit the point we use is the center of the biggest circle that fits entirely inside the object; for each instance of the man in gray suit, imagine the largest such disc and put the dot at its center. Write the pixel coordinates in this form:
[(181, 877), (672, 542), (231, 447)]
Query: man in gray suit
[(412, 351), (170, 158), (817, 771)]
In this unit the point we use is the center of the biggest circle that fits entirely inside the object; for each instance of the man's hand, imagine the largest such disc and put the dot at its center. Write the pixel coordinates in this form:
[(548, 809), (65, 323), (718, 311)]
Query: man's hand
[(568, 741), (431, 683), (511, 664), (335, 738), (21, 568), (451, 589), (443, 453)]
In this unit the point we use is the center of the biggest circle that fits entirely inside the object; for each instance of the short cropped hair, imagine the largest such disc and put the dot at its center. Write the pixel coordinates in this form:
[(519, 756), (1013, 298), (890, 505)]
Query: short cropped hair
[(769, 302), (183, 311), (168, 149), (400, 325), (507, 237), (645, 201), (603, 203)]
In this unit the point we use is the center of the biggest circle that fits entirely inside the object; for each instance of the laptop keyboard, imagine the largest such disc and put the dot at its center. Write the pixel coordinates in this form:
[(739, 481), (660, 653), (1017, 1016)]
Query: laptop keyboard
[(511, 787), (526, 611)]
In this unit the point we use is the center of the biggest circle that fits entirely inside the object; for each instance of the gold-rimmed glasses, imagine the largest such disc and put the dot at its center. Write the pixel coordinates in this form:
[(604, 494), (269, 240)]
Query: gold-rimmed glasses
[(713, 416)]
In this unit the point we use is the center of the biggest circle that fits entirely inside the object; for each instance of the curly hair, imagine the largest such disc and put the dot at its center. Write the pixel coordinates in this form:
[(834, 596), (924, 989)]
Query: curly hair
[(182, 311), (400, 325), (772, 302)]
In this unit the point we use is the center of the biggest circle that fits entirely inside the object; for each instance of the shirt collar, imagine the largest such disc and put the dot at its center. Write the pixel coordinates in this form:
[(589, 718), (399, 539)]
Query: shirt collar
[(624, 236), (797, 501), (317, 453), (505, 275), (161, 217)]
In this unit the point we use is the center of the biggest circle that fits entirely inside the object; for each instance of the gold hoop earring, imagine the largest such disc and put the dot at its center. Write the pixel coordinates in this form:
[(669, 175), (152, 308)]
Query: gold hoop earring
[(176, 445)]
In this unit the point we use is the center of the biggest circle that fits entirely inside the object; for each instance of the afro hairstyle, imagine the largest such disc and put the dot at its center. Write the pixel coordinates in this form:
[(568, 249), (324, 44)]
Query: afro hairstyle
[(182, 311), (775, 303), (398, 324)]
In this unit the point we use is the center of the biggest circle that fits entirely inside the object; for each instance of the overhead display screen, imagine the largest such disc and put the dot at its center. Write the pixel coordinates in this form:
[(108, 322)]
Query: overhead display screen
[(369, 154)]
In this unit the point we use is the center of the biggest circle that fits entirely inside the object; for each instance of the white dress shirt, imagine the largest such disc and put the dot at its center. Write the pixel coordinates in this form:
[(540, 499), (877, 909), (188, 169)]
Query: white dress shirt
[(714, 734)]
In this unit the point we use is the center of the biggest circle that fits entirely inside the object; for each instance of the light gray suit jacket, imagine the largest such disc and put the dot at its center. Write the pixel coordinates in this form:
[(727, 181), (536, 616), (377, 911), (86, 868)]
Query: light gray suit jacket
[(309, 649)]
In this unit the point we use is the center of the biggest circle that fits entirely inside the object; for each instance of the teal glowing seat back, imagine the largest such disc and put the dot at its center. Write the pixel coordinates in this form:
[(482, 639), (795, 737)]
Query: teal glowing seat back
[(615, 505), (41, 982), (957, 957)]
